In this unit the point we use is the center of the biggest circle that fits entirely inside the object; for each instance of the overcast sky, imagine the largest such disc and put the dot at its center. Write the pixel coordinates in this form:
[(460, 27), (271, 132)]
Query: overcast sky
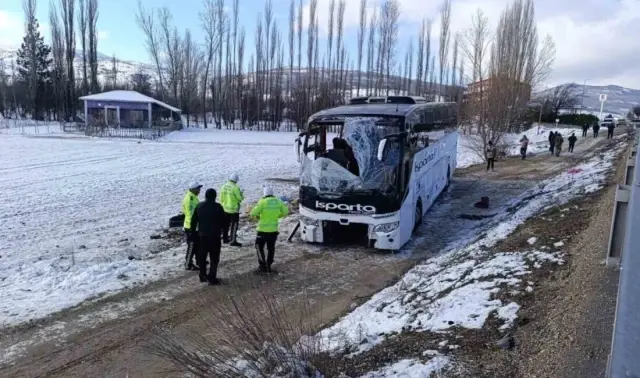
[(596, 40)]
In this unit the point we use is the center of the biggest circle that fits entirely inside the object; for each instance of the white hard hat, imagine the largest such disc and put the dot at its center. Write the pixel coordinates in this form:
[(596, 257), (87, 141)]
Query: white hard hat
[(233, 177), (267, 191), (195, 185)]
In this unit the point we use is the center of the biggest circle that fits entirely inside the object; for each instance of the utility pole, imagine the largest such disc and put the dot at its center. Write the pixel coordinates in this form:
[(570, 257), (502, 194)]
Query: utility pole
[(584, 88)]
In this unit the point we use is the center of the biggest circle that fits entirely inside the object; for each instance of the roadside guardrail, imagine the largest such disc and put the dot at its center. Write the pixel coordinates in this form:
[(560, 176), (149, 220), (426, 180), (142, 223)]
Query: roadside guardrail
[(624, 250)]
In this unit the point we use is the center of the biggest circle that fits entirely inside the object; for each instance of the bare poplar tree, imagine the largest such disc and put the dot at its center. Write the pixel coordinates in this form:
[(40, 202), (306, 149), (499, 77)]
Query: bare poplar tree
[(68, 19), (236, 100), (92, 39), (391, 14), (82, 24), (146, 21), (454, 67), (428, 60), (362, 29), (258, 38), (420, 57), (57, 51), (409, 65), (339, 45), (209, 20), (371, 50), (292, 46), (239, 69), (223, 28), (29, 7), (332, 9), (311, 39), (445, 25)]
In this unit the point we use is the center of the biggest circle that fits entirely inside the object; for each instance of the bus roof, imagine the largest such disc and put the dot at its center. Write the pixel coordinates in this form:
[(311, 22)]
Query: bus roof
[(374, 109)]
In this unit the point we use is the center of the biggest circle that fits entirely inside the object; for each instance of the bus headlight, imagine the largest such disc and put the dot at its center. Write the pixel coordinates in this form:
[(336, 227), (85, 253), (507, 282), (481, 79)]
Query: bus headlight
[(386, 227), (308, 221)]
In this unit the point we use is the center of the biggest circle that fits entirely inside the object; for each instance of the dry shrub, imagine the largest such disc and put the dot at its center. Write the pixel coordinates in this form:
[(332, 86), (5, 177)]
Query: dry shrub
[(246, 335)]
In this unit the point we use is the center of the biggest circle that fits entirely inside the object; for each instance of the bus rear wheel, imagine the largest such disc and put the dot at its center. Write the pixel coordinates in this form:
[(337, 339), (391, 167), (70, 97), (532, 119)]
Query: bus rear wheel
[(446, 186), (418, 216)]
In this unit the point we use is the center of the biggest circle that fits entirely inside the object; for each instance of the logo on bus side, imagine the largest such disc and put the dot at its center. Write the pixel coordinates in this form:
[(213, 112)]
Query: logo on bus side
[(344, 207), (425, 161)]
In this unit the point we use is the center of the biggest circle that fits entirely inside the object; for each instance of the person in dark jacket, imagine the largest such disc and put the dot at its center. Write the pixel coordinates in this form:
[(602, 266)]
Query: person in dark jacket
[(209, 218), (490, 154), (572, 141), (610, 128), (596, 128), (585, 128), (558, 143), (552, 141)]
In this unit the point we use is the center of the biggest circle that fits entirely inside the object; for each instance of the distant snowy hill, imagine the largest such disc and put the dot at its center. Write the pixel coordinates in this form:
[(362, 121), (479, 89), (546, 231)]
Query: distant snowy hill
[(124, 68), (619, 99)]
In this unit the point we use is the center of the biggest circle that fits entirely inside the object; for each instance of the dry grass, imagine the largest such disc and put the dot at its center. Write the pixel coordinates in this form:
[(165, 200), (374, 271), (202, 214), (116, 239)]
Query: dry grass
[(249, 335)]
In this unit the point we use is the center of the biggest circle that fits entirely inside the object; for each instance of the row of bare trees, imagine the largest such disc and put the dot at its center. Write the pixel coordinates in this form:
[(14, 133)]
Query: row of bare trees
[(285, 77), (43, 77), (291, 73), (62, 20)]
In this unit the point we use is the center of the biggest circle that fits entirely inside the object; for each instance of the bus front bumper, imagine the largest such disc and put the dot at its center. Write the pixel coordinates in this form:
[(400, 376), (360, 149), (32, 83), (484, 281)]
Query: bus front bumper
[(381, 233)]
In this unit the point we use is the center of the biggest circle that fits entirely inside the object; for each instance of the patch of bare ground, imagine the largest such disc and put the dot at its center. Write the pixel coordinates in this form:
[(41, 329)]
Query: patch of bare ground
[(540, 336), (564, 325)]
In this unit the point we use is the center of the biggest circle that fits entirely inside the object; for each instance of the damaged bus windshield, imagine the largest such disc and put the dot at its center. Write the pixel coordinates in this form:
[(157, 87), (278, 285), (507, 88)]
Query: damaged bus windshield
[(340, 154)]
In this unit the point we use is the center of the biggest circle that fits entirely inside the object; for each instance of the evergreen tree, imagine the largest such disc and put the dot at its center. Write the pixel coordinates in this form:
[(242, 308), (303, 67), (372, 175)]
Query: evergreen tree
[(34, 63)]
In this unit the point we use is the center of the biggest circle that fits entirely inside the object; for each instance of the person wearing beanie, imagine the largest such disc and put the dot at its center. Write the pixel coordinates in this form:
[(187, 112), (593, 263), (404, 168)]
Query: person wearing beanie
[(208, 219), (189, 204), (231, 198), (269, 210)]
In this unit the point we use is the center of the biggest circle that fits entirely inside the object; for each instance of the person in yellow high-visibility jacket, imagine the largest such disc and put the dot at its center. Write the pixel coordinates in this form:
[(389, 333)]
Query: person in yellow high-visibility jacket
[(231, 198), (269, 210), (189, 204)]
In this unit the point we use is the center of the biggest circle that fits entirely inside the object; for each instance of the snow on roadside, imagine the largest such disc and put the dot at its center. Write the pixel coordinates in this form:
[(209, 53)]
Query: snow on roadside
[(410, 368), (459, 288)]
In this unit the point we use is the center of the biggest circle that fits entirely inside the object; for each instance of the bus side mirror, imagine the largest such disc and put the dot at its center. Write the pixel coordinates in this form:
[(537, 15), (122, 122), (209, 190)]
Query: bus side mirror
[(381, 149)]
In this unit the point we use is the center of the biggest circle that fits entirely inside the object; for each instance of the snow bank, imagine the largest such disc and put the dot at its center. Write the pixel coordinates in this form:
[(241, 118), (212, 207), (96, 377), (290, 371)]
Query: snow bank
[(410, 368), (77, 213), (469, 154), (458, 288)]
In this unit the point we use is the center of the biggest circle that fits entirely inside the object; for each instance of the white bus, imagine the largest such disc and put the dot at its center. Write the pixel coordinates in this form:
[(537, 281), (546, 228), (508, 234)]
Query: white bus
[(391, 159)]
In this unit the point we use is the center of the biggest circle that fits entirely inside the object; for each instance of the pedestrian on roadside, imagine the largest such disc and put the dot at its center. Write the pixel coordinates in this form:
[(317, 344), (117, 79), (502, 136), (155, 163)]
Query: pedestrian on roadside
[(610, 128), (231, 198), (596, 128), (269, 210), (490, 154), (208, 219), (585, 128), (552, 141), (558, 143), (524, 143), (572, 141), (189, 204)]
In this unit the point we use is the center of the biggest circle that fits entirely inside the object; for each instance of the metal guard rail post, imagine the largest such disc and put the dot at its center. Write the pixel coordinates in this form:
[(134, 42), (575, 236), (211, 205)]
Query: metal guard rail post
[(624, 360)]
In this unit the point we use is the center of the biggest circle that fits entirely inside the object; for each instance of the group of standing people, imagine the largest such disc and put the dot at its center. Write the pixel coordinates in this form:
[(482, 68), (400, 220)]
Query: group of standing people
[(556, 141), (209, 224), (596, 128)]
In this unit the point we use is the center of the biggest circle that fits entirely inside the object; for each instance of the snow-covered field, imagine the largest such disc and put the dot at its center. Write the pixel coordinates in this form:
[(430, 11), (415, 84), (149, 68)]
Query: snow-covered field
[(77, 213), (458, 288)]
